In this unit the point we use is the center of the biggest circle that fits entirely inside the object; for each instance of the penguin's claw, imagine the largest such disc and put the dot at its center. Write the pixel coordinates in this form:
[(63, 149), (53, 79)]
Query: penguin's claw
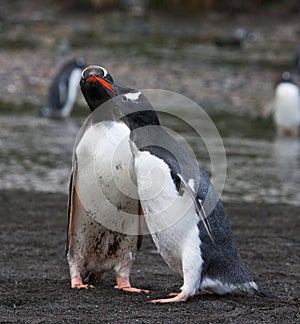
[(132, 289)]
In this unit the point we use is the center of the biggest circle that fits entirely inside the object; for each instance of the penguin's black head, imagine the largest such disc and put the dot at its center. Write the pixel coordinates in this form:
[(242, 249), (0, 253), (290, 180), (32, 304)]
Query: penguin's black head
[(284, 77), (97, 86)]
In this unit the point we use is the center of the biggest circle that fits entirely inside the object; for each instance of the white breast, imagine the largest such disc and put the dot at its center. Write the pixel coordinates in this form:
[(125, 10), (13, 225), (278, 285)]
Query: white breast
[(171, 219), (287, 105), (104, 181)]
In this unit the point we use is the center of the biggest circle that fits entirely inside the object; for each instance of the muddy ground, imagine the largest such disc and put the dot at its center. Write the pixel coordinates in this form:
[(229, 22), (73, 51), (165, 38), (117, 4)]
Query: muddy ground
[(35, 286)]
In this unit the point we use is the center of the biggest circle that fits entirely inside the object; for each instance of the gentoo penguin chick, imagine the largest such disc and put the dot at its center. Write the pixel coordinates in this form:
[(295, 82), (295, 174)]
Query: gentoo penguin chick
[(63, 90), (92, 248), (287, 106), (173, 190)]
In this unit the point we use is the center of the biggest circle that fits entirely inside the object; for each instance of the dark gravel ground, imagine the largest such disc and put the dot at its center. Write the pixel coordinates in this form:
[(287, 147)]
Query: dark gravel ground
[(35, 287)]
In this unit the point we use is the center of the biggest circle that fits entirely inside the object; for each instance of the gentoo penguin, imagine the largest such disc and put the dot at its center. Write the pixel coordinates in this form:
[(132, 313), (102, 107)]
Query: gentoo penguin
[(92, 247), (63, 89), (173, 190), (286, 106)]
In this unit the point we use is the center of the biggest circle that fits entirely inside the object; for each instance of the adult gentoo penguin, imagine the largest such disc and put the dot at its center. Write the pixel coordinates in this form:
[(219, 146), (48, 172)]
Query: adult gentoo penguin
[(286, 106), (172, 190), (93, 248), (63, 89)]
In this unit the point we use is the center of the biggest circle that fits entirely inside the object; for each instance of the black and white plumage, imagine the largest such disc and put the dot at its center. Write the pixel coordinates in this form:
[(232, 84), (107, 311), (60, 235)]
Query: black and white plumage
[(63, 90), (286, 106), (203, 252), (92, 248), (171, 188)]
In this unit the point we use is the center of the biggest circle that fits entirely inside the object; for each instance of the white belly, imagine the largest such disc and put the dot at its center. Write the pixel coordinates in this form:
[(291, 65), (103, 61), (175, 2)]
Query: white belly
[(171, 219), (287, 106), (105, 181)]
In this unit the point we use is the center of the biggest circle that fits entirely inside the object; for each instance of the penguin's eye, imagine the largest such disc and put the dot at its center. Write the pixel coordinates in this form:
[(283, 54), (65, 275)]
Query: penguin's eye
[(124, 99)]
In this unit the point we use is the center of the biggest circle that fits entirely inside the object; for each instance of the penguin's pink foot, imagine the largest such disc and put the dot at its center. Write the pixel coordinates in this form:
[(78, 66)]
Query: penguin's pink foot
[(173, 294), (178, 297), (134, 290), (176, 294), (77, 283), (124, 284), (82, 286)]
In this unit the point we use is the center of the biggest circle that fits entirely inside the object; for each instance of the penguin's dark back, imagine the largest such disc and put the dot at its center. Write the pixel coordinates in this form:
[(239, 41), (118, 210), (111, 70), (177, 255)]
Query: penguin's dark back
[(216, 213), (223, 252)]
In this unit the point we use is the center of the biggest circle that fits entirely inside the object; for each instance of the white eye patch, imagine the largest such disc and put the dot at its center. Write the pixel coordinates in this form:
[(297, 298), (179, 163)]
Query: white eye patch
[(131, 96), (104, 71)]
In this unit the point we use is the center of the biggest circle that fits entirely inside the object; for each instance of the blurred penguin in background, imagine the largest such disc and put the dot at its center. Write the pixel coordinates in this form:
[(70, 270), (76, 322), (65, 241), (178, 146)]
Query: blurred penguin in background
[(286, 106), (64, 89)]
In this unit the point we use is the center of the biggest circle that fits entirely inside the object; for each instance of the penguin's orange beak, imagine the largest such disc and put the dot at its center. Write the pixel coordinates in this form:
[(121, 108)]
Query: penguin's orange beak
[(105, 84)]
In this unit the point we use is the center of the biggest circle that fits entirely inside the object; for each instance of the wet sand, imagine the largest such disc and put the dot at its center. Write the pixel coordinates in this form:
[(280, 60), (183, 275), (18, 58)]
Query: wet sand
[(35, 286)]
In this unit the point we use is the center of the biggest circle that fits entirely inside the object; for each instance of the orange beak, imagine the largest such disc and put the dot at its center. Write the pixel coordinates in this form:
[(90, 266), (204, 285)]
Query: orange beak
[(105, 84)]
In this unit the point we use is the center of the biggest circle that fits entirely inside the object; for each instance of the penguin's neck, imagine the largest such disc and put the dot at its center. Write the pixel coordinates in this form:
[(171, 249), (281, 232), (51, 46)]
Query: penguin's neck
[(141, 119)]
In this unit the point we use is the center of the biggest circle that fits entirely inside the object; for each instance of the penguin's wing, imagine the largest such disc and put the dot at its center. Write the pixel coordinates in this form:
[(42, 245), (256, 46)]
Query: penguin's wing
[(198, 205), (71, 203), (54, 95), (62, 90)]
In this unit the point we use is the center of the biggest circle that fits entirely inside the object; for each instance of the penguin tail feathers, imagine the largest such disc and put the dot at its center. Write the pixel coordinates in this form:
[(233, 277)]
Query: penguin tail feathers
[(254, 289)]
